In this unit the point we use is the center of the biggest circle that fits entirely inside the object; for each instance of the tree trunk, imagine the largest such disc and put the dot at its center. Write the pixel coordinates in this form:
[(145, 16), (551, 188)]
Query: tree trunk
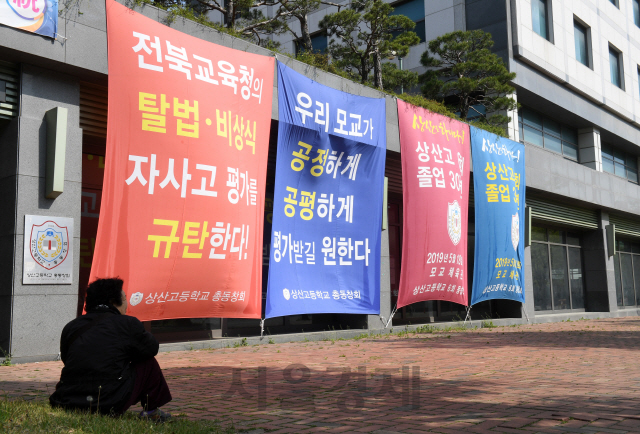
[(364, 71), (377, 70), (464, 109), (231, 14), (306, 35)]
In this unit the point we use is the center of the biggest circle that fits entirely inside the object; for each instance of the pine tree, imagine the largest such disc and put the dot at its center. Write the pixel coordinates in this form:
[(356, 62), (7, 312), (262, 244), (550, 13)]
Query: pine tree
[(363, 34), (465, 73)]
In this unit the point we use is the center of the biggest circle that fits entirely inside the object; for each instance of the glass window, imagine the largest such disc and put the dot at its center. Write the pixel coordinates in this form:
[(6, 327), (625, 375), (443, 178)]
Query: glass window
[(580, 36), (413, 9), (570, 150), (557, 270), (607, 165), (614, 2), (541, 282), (319, 43), (533, 136), (538, 233), (545, 132), (626, 264), (619, 163), (573, 239), (575, 274), (614, 65), (636, 275), (559, 278), (616, 268), (626, 271), (569, 135), (552, 127), (532, 118), (540, 17), (556, 236), (636, 12), (553, 143)]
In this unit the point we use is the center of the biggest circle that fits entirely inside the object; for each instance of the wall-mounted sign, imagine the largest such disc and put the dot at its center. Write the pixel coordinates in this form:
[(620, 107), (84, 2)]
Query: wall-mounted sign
[(36, 16), (48, 250)]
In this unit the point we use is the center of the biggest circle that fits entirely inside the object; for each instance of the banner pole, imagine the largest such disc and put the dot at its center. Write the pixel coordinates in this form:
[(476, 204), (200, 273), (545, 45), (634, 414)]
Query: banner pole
[(525, 313), (261, 327), (393, 312), (468, 317)]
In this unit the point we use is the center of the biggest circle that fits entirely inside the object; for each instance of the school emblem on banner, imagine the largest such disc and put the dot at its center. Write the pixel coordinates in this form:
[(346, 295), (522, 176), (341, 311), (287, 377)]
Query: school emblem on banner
[(49, 244), (454, 222), (136, 298), (515, 231)]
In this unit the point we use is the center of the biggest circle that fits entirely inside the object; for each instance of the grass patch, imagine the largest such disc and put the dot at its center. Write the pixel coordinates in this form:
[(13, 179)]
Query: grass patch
[(37, 417)]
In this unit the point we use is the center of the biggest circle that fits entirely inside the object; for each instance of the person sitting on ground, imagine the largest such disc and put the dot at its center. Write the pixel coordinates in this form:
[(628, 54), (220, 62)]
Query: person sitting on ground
[(108, 357)]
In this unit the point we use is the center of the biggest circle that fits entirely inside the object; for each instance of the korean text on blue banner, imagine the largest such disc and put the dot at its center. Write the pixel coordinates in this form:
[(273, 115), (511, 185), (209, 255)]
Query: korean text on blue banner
[(327, 209), (499, 192)]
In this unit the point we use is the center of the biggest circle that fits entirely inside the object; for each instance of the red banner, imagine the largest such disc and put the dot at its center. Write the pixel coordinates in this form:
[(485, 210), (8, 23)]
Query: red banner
[(435, 186), (181, 218)]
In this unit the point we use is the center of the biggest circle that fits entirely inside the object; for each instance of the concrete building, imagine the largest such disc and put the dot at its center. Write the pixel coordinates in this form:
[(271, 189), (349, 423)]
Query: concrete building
[(578, 84)]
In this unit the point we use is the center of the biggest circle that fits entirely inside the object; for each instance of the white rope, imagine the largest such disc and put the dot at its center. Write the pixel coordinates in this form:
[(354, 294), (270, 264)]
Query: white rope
[(395, 309), (468, 317), (261, 328), (525, 313)]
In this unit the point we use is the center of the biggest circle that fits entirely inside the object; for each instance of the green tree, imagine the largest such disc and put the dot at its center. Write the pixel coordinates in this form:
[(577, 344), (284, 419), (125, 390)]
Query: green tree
[(464, 73), (242, 18), (363, 34), (300, 10), (394, 78)]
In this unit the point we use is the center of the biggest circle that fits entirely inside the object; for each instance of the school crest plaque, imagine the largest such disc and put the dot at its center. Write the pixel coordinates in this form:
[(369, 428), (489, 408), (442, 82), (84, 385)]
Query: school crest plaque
[(454, 222), (48, 252), (515, 231)]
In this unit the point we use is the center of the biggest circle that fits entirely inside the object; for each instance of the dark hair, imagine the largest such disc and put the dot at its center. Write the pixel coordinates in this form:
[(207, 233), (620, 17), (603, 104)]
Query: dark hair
[(104, 291)]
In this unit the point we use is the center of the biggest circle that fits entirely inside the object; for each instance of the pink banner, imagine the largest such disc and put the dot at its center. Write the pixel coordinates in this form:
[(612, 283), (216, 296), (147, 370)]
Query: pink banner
[(435, 186)]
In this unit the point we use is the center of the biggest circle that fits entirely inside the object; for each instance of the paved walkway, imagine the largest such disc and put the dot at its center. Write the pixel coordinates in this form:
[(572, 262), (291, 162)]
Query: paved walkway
[(578, 377)]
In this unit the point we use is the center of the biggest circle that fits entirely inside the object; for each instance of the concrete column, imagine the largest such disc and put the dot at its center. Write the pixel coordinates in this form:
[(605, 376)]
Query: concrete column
[(374, 321), (39, 312), (513, 129), (599, 276), (590, 148), (459, 15)]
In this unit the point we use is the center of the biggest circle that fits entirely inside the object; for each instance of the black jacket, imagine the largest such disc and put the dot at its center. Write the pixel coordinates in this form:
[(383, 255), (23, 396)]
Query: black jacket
[(97, 373)]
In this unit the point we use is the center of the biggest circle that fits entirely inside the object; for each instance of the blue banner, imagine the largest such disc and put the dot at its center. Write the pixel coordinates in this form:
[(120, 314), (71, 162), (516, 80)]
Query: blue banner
[(327, 208), (499, 193)]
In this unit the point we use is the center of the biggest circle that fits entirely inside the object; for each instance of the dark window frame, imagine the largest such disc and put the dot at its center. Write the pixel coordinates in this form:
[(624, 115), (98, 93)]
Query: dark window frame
[(577, 22), (618, 276), (548, 15), (566, 247), (605, 148), (618, 55)]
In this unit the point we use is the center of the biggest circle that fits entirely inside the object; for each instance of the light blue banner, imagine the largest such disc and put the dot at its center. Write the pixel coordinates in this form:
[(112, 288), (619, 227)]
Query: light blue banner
[(36, 16), (499, 194), (327, 209)]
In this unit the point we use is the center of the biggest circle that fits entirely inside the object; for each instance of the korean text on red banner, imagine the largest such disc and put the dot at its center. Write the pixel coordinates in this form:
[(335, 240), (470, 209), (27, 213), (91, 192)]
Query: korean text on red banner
[(187, 141), (435, 185)]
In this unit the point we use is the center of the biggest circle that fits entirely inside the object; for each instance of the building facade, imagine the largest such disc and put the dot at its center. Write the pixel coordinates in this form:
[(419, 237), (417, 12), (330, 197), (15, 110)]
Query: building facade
[(577, 66)]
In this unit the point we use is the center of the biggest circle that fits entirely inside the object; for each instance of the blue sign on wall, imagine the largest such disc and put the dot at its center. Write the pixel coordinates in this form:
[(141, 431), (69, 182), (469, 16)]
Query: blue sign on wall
[(327, 209), (499, 193)]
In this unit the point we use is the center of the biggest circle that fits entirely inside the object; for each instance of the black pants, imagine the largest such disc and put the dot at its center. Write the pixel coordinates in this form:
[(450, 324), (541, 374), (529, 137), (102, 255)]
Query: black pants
[(150, 388)]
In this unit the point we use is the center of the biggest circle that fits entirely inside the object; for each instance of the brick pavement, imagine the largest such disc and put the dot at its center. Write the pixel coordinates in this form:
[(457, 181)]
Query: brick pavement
[(574, 377)]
